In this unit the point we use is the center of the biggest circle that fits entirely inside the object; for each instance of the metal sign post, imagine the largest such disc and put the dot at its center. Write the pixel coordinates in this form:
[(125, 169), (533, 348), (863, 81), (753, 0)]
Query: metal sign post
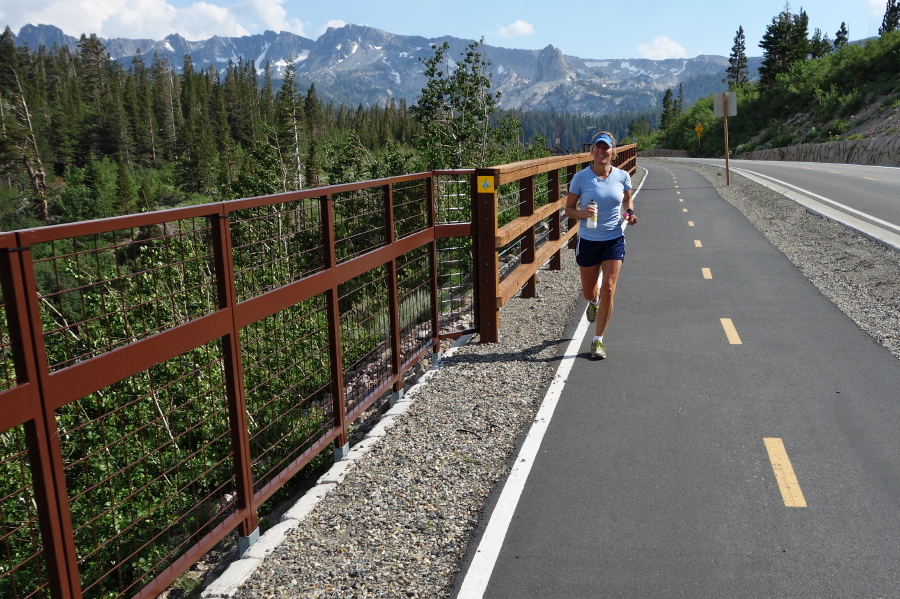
[(725, 105)]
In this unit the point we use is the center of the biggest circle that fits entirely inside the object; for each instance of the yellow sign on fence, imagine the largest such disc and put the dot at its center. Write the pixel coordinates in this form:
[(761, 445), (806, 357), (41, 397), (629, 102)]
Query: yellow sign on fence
[(486, 184)]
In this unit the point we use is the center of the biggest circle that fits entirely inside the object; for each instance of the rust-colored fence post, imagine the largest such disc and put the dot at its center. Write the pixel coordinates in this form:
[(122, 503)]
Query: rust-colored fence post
[(432, 208), (248, 532), (555, 219), (529, 242), (338, 408), (393, 298), (52, 504), (49, 470), (487, 272)]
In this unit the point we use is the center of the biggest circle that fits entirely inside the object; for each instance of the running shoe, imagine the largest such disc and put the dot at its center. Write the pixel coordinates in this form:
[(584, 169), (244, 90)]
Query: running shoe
[(592, 312), (598, 350)]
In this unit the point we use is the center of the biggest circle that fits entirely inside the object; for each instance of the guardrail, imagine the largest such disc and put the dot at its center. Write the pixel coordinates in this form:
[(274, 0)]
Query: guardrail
[(164, 374)]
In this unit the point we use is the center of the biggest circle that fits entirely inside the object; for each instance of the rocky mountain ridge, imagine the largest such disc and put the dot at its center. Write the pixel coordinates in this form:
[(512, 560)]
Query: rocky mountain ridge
[(362, 65)]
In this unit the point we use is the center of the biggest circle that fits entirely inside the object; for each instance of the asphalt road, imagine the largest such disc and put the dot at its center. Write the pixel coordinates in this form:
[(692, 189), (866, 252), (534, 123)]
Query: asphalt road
[(860, 190), (657, 474)]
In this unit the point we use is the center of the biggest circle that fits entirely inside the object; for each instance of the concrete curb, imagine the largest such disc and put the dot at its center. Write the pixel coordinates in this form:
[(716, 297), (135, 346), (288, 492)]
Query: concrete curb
[(228, 584)]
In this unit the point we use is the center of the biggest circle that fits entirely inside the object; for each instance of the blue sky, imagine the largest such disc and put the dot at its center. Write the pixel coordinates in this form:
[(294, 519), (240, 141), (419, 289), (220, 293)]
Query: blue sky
[(652, 29)]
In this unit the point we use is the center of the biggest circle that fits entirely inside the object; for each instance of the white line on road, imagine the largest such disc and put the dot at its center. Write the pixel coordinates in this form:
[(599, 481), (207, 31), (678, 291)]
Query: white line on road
[(837, 205), (482, 565)]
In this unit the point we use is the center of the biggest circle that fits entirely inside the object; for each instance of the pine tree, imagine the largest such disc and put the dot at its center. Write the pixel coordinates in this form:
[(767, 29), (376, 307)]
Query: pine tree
[(679, 104), (315, 118), (668, 113), (313, 169), (819, 45), (138, 106), (289, 126), (891, 20), (166, 107), (784, 43), (799, 42), (738, 71), (124, 188), (842, 37), (16, 125)]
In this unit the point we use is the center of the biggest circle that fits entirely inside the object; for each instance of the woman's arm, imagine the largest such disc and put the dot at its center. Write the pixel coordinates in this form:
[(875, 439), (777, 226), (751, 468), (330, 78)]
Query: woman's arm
[(572, 210)]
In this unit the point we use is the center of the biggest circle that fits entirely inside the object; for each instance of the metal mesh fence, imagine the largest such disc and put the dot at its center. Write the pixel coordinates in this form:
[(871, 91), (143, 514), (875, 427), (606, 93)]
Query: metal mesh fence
[(276, 244), (410, 207), (22, 571), (105, 290), (414, 297), (359, 222), (149, 469), (286, 375), (365, 334), (455, 284)]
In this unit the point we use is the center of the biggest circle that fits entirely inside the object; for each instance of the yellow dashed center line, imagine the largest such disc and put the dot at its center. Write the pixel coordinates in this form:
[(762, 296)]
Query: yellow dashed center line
[(730, 331), (784, 473), (697, 243), (870, 178), (690, 223), (680, 199), (707, 273), (684, 209)]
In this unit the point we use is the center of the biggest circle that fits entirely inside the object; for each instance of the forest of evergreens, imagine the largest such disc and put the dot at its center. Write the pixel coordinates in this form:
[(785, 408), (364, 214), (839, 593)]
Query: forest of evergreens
[(84, 137)]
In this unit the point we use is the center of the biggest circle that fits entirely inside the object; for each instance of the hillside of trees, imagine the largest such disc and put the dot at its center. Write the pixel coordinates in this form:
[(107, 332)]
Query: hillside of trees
[(810, 90)]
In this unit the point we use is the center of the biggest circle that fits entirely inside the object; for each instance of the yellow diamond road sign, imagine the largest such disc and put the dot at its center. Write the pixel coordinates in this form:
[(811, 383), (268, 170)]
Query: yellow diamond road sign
[(698, 128)]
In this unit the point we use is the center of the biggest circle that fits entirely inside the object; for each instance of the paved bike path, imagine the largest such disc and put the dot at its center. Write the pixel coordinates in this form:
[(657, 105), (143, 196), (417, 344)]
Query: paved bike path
[(655, 477)]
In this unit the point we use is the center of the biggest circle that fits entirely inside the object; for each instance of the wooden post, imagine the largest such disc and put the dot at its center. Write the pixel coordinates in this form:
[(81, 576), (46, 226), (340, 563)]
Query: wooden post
[(529, 243), (487, 267), (725, 112), (555, 219)]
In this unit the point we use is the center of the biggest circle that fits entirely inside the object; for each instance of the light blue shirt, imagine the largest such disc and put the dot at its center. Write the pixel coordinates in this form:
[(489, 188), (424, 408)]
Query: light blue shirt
[(608, 194)]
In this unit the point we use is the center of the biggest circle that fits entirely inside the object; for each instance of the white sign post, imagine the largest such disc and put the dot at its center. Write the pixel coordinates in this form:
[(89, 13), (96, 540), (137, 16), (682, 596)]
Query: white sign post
[(725, 105)]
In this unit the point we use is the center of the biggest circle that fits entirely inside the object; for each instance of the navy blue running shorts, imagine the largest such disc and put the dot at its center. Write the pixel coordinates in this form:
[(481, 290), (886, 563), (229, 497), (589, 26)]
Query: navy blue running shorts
[(592, 253)]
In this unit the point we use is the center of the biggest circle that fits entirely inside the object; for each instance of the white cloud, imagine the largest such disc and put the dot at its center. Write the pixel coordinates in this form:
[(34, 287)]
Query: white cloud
[(516, 29), (876, 7), (337, 24), (661, 48), (152, 19)]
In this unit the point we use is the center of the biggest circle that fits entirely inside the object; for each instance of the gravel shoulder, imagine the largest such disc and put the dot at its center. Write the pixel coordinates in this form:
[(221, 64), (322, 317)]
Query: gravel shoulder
[(399, 522)]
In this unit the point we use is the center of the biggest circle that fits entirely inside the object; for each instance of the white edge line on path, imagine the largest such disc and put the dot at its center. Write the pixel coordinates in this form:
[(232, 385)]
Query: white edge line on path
[(479, 574)]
